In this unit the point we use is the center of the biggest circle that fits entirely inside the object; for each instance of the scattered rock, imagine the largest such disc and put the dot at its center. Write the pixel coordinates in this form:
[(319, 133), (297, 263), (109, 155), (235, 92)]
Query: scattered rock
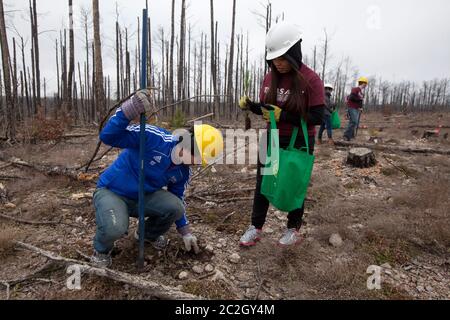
[(336, 240), (209, 268), (209, 248), (79, 196), (281, 216), (429, 288), (223, 242), (198, 269), (235, 258), (10, 205), (419, 288), (356, 226), (268, 230), (183, 275), (213, 170), (386, 266), (79, 219)]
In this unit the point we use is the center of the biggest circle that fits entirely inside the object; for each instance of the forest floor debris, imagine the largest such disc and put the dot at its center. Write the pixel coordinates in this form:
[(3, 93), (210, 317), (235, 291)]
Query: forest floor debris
[(393, 215)]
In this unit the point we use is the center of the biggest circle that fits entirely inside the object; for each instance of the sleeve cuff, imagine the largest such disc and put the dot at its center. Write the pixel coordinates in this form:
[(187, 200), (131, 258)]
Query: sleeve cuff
[(185, 230)]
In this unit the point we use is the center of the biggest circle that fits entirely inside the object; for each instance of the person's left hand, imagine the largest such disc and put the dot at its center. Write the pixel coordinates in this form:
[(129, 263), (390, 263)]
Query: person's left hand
[(190, 241), (275, 109)]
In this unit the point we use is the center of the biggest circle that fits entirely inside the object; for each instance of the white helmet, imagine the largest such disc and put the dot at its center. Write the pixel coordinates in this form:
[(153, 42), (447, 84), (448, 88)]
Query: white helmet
[(329, 86), (280, 38)]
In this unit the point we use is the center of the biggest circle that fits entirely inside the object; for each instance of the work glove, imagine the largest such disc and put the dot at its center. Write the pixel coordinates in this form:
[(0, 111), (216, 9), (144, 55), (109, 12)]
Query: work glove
[(190, 241), (141, 102), (244, 103), (266, 112), (248, 105)]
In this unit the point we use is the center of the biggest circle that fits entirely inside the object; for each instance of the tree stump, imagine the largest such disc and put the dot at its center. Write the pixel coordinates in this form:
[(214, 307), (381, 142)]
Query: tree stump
[(361, 158)]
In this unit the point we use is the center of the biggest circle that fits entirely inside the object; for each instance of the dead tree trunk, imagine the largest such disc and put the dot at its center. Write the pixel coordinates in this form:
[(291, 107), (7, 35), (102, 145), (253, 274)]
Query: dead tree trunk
[(172, 44), (119, 97), (325, 55), (10, 115), (35, 37), (58, 94), (180, 82), (231, 60), (99, 91), (71, 60), (213, 53)]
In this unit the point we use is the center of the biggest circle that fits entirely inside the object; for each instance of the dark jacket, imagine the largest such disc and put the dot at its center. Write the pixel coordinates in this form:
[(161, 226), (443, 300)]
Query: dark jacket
[(330, 105)]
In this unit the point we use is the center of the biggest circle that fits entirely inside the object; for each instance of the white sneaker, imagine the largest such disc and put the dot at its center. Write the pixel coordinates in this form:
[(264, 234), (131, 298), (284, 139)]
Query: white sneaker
[(101, 260), (251, 237), (291, 237)]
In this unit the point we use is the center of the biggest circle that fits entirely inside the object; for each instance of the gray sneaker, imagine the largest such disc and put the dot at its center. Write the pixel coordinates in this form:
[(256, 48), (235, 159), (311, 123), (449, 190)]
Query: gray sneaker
[(101, 260), (290, 237), (251, 237), (160, 244)]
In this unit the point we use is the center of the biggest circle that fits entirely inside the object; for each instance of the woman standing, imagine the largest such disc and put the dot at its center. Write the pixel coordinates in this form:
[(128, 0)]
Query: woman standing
[(294, 92)]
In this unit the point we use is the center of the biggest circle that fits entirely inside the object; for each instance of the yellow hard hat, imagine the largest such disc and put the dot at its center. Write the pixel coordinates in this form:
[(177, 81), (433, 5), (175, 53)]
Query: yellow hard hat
[(209, 141), (363, 80)]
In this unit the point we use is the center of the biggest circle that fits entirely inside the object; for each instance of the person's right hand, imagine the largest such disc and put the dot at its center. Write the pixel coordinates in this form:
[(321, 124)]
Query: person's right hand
[(248, 105), (141, 102)]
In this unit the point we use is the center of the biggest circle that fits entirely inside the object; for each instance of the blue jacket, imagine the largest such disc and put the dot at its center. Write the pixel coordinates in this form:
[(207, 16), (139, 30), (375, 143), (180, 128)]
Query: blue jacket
[(122, 177)]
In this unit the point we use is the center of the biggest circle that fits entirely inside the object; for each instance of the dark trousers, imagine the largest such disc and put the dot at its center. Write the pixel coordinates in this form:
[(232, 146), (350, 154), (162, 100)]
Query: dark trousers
[(261, 204), (326, 125)]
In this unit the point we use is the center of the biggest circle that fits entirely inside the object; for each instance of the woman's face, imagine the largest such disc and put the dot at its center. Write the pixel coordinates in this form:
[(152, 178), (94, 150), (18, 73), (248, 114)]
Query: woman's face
[(282, 65)]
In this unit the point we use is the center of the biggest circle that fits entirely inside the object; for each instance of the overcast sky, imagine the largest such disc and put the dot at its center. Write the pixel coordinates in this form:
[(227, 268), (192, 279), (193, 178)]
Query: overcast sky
[(397, 40)]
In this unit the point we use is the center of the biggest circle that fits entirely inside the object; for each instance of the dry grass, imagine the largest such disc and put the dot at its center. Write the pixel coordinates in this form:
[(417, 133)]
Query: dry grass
[(211, 290), (7, 237)]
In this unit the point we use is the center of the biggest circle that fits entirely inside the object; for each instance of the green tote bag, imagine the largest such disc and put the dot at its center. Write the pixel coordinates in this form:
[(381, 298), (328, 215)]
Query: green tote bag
[(335, 120), (286, 187)]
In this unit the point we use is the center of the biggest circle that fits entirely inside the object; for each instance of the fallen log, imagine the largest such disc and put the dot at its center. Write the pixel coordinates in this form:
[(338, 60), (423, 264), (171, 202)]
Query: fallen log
[(46, 169), (391, 148), (79, 135), (40, 223), (157, 290)]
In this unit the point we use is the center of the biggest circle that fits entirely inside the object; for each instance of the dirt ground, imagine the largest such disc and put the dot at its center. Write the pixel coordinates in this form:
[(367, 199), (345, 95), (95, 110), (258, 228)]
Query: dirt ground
[(395, 215)]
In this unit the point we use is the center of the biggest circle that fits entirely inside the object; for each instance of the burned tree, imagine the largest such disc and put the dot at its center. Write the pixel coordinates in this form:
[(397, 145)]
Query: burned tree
[(10, 114), (98, 84)]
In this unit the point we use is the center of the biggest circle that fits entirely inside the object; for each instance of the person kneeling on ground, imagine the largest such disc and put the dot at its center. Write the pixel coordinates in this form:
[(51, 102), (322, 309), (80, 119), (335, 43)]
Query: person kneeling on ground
[(167, 174)]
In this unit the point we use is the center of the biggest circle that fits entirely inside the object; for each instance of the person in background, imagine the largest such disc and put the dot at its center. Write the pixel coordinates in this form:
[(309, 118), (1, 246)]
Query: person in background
[(330, 107), (355, 103)]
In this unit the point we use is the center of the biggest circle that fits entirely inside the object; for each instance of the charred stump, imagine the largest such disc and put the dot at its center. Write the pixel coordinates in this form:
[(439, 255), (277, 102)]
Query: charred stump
[(361, 158)]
